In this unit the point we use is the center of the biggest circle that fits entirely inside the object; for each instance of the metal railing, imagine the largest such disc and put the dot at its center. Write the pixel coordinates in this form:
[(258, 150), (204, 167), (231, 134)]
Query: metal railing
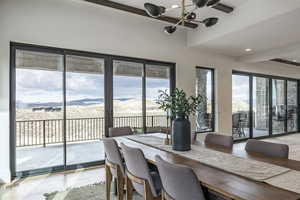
[(43, 132)]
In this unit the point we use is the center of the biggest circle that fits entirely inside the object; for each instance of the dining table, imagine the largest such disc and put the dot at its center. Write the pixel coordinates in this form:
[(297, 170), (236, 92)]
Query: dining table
[(220, 176)]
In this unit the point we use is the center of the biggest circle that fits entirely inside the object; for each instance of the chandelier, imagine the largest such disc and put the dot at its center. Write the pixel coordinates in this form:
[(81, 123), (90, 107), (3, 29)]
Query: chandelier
[(156, 11)]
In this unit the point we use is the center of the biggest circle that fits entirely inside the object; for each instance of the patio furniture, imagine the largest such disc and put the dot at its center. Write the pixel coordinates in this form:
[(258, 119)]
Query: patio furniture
[(114, 167), (187, 188), (269, 149), (219, 140), (239, 121), (138, 175)]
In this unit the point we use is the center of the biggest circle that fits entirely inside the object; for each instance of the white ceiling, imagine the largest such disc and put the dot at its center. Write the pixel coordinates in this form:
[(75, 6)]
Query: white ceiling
[(271, 28)]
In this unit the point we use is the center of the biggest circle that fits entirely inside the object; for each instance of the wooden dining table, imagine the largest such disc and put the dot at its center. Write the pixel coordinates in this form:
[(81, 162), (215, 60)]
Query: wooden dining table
[(225, 184)]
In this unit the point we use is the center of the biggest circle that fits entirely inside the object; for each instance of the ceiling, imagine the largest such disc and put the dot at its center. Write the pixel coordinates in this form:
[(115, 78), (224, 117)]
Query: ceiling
[(271, 28)]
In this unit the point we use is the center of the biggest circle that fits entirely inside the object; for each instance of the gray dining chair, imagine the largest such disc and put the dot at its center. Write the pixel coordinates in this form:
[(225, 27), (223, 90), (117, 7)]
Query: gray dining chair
[(138, 175), (114, 167), (179, 182), (219, 140), (267, 148), (119, 131)]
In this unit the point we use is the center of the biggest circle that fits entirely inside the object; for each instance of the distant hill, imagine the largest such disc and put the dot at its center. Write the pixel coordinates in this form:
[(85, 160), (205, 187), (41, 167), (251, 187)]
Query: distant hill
[(78, 102)]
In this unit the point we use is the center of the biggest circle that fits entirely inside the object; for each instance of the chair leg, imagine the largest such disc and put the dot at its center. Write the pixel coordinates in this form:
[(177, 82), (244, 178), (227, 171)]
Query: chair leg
[(129, 189), (115, 187), (120, 188), (147, 191), (108, 176)]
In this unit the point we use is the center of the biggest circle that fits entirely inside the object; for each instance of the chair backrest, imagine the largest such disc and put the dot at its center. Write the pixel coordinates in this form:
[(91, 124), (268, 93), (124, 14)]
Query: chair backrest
[(120, 131), (220, 140), (179, 182), (113, 155), (267, 148), (137, 165)]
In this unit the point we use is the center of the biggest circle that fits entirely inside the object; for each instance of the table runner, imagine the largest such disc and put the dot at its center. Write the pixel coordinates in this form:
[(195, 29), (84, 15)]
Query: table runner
[(255, 170), (277, 176)]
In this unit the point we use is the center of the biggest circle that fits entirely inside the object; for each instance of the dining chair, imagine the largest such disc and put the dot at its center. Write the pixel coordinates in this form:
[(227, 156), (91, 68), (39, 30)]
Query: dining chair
[(114, 167), (267, 148), (179, 182), (119, 131), (219, 140), (138, 175)]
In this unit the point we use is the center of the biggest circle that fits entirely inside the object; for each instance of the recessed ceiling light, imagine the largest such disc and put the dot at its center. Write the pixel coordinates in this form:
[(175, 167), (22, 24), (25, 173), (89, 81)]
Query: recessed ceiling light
[(248, 50), (175, 6)]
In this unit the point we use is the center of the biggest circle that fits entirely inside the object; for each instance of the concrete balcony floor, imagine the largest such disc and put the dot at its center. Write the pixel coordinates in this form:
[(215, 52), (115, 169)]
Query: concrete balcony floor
[(36, 157)]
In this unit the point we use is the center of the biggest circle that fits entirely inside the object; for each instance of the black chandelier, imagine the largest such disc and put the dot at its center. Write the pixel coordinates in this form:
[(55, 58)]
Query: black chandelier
[(186, 16)]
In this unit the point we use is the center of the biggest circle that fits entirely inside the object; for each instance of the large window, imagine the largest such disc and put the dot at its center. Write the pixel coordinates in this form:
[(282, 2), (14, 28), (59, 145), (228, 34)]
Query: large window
[(240, 106), (205, 87), (64, 102), (261, 95), (263, 105)]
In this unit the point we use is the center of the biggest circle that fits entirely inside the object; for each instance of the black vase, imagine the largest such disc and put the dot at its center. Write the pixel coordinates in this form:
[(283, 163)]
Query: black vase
[(181, 133)]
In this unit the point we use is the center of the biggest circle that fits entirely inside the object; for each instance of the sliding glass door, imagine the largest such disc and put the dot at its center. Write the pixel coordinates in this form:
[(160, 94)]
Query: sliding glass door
[(85, 116), (205, 88), (157, 79), (278, 106), (39, 102), (64, 101), (273, 105), (128, 94), (292, 106), (240, 106), (261, 114)]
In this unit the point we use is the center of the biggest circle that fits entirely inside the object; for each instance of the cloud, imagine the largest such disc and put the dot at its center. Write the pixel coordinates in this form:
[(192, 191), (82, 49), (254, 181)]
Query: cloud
[(46, 86)]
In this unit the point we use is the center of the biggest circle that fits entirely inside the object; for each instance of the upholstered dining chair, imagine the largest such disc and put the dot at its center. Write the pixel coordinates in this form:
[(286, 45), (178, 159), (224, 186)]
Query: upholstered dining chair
[(119, 131), (138, 175), (267, 148), (219, 140), (114, 167), (179, 182)]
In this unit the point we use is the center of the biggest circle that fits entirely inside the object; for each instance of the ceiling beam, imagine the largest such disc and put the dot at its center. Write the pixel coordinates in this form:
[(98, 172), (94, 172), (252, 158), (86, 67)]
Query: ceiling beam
[(139, 11), (269, 54), (288, 62)]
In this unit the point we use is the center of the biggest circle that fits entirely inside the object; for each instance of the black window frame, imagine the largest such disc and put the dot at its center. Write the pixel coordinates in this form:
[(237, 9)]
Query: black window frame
[(270, 79), (108, 96), (213, 109)]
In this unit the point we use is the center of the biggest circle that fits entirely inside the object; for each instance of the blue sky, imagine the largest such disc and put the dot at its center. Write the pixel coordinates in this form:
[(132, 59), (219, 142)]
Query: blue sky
[(46, 86)]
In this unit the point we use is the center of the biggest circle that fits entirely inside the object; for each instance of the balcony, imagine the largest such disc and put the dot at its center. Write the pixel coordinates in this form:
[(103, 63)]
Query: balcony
[(40, 142)]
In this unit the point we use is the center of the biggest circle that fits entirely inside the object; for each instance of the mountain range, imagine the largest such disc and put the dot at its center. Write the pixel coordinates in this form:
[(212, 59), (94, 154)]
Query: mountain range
[(78, 102)]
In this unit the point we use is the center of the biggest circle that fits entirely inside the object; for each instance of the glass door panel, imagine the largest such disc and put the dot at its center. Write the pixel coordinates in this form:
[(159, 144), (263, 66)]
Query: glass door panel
[(240, 106), (278, 106), (128, 95), (157, 78), (39, 113), (84, 109), (292, 106), (204, 87), (260, 107)]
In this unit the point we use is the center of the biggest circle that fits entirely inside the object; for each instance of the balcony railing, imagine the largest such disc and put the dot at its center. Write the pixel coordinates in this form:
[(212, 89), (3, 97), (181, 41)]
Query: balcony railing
[(43, 132)]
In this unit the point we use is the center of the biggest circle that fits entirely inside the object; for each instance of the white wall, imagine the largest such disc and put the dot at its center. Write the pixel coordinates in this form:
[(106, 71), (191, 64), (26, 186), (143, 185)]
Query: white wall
[(79, 25)]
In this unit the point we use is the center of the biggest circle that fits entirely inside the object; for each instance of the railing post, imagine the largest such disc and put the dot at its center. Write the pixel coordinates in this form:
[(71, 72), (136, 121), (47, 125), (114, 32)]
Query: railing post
[(44, 134), (152, 120)]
